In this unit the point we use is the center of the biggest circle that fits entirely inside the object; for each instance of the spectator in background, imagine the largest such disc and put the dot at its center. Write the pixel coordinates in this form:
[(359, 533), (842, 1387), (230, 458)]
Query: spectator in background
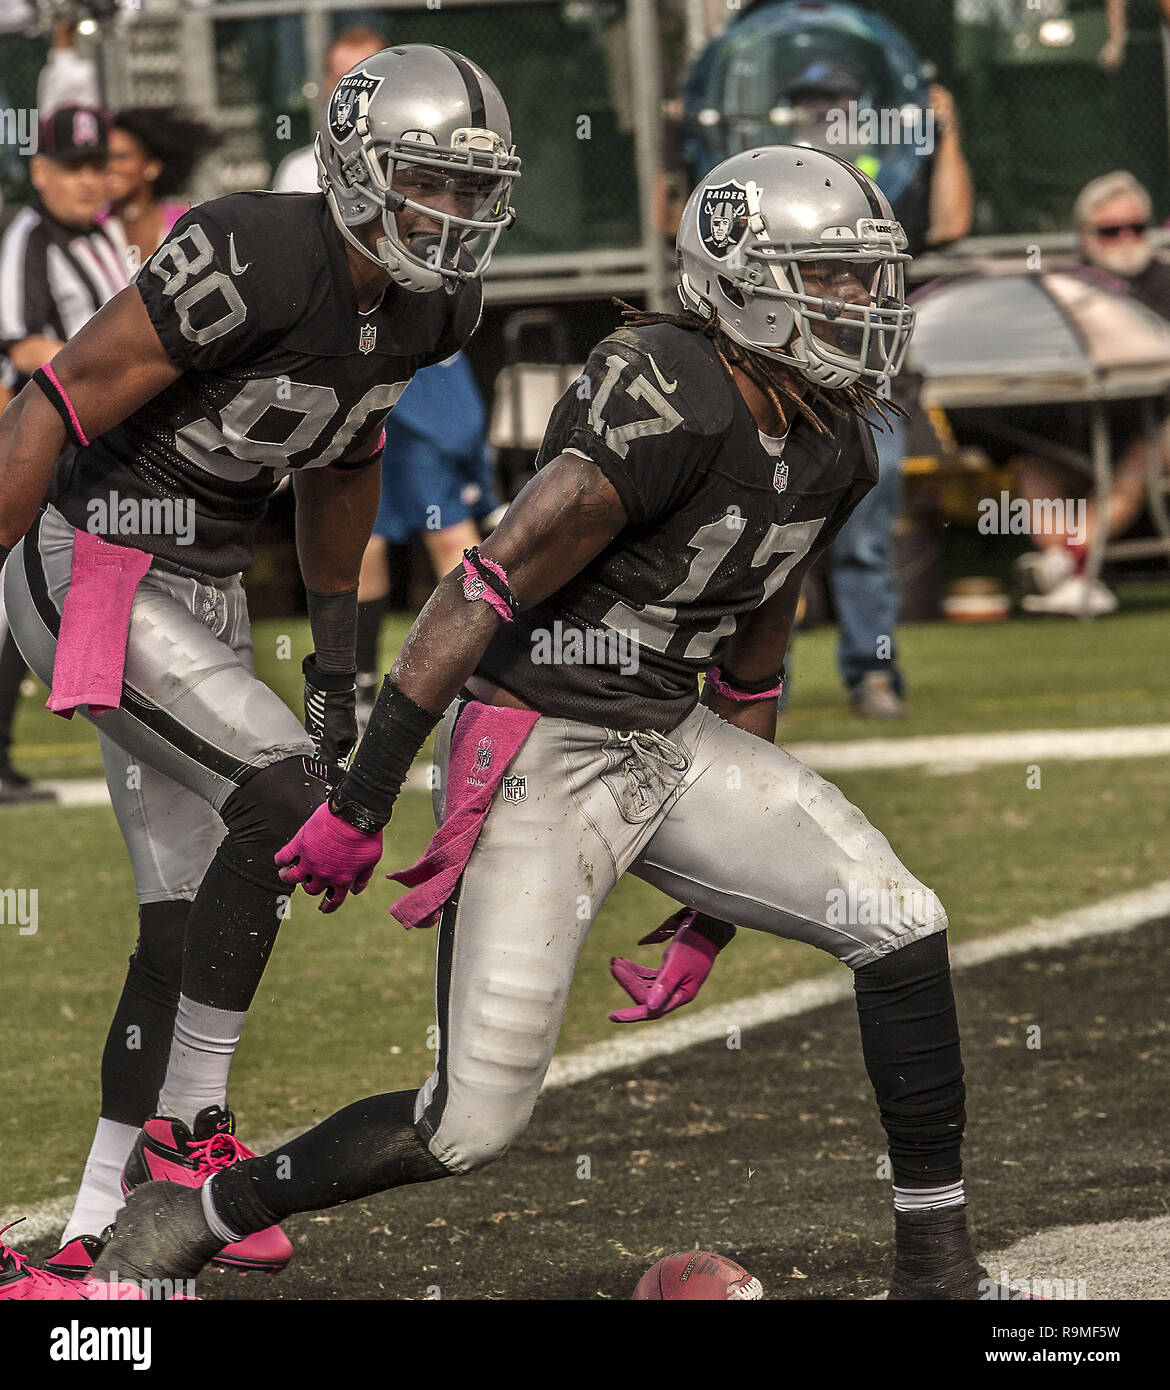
[(437, 483), (67, 79), (297, 172), (57, 268), (860, 564), (154, 151), (1112, 215), (1113, 54)]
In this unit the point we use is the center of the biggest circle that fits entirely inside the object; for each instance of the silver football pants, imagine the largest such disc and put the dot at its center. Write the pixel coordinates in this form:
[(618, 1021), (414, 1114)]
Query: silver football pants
[(715, 817), (195, 720)]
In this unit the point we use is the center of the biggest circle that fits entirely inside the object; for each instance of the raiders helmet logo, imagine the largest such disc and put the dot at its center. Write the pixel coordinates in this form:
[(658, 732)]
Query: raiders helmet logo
[(515, 788), (367, 337), (723, 217), (351, 97)]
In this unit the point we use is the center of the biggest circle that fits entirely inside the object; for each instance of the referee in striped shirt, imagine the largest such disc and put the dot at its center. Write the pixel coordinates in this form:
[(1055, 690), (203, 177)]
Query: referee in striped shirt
[(57, 269)]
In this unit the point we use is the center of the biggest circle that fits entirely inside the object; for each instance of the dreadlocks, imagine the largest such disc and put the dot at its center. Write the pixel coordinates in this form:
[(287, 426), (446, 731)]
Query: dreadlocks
[(783, 386)]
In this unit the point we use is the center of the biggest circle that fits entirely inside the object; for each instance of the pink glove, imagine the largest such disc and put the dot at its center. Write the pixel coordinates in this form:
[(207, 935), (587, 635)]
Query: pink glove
[(685, 965), (327, 855)]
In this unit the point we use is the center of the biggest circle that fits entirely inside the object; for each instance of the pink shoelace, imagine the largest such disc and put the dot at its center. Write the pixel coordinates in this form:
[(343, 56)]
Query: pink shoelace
[(35, 1277), (219, 1151)]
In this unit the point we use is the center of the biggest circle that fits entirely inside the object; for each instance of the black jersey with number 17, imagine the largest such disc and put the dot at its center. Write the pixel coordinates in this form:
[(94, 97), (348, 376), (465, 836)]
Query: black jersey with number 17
[(718, 518), (252, 298)]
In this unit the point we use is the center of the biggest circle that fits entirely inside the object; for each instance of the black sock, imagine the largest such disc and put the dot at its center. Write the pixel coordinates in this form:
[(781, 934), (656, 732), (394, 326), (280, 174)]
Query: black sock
[(12, 674), (138, 1045), (368, 1147), (369, 625), (910, 1040)]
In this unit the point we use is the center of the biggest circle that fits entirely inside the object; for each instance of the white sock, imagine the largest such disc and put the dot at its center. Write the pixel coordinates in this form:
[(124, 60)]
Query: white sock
[(100, 1198), (201, 1057), (929, 1198)]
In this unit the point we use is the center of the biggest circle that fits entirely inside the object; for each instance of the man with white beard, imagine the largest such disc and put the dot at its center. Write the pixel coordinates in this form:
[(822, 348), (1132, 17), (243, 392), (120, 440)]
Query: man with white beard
[(1112, 215)]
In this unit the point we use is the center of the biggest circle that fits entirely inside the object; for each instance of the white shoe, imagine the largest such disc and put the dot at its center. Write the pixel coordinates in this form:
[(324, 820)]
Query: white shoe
[(1040, 571), (1074, 597)]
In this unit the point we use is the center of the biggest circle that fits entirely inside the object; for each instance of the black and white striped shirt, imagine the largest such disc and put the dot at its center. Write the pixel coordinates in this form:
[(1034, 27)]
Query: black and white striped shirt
[(53, 278)]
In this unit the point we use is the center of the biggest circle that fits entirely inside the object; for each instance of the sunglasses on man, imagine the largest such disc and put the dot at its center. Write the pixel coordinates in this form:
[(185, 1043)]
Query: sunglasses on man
[(1111, 230)]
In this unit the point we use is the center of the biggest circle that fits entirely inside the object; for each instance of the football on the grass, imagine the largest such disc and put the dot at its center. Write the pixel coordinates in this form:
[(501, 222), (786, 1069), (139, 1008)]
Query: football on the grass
[(697, 1274)]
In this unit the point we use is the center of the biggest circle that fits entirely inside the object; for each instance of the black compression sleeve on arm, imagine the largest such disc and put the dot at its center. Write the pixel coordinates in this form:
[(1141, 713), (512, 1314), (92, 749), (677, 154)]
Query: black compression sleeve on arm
[(398, 728), (333, 622)]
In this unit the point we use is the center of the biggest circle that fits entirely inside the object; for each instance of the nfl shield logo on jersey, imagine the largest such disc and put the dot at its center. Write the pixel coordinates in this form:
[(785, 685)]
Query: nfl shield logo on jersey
[(367, 337), (515, 788), (780, 476), (723, 217), (350, 98)]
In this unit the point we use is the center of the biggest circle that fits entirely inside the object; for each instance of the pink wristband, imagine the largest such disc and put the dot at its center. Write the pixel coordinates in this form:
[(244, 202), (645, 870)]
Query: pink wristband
[(720, 687), (474, 586)]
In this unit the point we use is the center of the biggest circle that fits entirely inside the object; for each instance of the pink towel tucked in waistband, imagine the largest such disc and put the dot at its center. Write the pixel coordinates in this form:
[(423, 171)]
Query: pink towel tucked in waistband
[(486, 740), (95, 623)]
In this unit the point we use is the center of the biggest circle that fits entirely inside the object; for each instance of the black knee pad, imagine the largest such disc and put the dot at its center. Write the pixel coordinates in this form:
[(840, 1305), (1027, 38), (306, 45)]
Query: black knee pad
[(266, 811)]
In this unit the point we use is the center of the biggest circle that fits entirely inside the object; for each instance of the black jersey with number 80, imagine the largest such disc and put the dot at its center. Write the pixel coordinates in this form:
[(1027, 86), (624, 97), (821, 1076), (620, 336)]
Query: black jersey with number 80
[(717, 522), (252, 298)]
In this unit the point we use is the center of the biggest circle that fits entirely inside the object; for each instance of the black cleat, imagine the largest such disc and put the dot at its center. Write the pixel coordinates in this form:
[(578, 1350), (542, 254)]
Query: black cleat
[(936, 1260), (160, 1236)]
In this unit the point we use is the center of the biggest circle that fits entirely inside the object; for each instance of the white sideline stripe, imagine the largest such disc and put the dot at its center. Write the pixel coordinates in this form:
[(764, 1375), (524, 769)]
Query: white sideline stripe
[(942, 754), (970, 750), (673, 1035), (1106, 918)]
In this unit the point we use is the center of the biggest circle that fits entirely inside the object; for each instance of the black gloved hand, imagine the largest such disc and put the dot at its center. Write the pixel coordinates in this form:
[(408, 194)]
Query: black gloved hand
[(330, 715)]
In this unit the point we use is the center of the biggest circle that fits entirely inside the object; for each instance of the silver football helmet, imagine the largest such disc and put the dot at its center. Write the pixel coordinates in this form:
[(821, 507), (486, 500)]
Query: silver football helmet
[(802, 258), (420, 127)]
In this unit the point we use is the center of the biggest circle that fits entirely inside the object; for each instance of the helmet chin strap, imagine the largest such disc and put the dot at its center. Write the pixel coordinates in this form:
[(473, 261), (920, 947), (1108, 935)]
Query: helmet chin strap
[(387, 256)]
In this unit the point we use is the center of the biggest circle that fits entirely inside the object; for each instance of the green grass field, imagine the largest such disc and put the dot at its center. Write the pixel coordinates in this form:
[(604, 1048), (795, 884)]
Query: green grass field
[(346, 1002)]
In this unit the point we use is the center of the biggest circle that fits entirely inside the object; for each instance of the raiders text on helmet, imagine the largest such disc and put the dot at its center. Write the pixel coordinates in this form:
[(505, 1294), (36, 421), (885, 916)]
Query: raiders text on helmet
[(420, 127), (802, 258)]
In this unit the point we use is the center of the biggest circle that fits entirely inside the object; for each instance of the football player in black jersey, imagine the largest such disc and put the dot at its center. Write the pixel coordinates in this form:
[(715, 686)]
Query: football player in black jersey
[(271, 334), (688, 481)]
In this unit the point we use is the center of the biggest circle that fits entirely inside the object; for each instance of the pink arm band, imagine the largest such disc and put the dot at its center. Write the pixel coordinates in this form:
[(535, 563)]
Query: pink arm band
[(474, 586), (52, 375), (720, 687)]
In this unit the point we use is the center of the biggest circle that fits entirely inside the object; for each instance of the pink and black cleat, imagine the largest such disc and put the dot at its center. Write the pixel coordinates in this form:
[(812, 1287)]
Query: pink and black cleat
[(168, 1151), (18, 1279), (76, 1257)]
